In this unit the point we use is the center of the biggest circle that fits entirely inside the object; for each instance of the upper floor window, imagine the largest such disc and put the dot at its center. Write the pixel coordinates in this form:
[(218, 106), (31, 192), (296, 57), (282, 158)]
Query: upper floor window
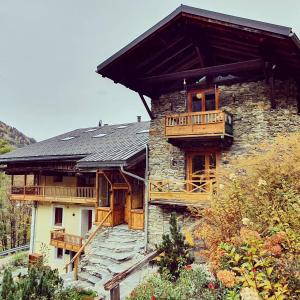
[(203, 100), (58, 216)]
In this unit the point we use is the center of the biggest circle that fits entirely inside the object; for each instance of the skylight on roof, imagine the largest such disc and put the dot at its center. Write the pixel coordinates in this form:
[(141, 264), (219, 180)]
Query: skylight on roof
[(91, 130), (143, 131), (121, 126), (99, 135), (68, 138)]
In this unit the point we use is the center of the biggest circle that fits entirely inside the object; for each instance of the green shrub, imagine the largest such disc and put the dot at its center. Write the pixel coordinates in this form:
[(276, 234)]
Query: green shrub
[(41, 283), (19, 260), (8, 287), (191, 284)]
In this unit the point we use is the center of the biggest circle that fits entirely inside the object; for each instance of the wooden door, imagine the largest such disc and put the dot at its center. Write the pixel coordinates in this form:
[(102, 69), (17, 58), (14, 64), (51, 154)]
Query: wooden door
[(201, 169), (118, 209)]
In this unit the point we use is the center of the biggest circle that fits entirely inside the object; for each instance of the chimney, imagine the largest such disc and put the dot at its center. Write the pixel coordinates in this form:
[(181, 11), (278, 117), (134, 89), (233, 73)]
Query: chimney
[(139, 119), (100, 123)]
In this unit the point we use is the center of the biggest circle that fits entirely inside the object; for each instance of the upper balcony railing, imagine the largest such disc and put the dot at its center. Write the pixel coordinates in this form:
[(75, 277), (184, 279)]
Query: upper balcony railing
[(60, 239), (81, 195), (199, 124)]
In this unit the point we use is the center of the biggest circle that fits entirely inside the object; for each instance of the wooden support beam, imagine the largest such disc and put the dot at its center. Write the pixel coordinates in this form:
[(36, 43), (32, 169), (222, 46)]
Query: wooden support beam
[(272, 99), (298, 96), (146, 106), (243, 66)]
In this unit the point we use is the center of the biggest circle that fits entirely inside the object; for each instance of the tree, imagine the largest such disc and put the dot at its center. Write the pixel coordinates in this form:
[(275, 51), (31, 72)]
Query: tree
[(175, 250), (5, 146), (8, 286)]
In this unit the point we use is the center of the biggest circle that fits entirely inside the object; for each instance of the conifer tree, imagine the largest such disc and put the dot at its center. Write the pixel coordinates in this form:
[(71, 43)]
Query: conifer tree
[(8, 286), (175, 250)]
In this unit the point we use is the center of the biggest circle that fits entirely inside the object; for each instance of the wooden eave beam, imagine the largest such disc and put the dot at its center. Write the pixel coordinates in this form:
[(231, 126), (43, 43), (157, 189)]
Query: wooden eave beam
[(226, 69), (146, 106)]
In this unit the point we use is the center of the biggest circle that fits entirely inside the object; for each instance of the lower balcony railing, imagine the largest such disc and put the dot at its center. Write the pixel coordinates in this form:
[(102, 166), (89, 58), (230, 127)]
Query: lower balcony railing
[(189, 191), (207, 123), (54, 193), (60, 239)]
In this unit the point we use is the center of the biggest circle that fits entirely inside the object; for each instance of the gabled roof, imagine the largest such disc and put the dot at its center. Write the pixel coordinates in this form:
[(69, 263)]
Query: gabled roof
[(108, 145), (192, 38)]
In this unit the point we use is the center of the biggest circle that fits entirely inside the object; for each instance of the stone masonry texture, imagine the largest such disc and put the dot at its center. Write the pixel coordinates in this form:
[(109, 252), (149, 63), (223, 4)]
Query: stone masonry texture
[(253, 122)]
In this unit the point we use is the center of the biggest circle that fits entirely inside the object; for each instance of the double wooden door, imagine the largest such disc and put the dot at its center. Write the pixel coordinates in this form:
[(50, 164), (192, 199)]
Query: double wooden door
[(201, 170)]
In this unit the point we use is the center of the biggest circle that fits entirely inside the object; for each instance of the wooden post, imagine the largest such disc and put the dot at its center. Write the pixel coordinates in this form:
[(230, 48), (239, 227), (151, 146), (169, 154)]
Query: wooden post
[(115, 293), (273, 103), (76, 262)]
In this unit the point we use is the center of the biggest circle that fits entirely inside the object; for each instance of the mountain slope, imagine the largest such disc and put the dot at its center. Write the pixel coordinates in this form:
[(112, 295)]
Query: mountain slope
[(13, 136)]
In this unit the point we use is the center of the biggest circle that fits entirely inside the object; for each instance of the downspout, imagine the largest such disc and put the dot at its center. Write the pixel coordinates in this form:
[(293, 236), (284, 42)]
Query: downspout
[(33, 222), (145, 180)]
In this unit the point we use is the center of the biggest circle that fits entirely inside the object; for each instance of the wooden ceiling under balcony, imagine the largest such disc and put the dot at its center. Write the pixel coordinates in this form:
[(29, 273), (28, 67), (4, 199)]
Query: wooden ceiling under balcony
[(188, 42)]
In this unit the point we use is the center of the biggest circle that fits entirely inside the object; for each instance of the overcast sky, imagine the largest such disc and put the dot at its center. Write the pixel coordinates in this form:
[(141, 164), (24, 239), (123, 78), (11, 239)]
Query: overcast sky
[(49, 51)]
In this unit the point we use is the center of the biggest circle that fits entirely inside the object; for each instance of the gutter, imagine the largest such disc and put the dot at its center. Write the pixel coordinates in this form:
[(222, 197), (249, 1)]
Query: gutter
[(145, 180)]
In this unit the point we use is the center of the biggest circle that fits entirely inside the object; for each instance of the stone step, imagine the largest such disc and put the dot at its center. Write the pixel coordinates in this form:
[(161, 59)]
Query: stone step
[(83, 276), (97, 270), (115, 257)]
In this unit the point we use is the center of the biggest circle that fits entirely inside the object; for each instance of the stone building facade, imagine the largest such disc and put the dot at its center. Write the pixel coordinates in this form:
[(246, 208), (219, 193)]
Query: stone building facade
[(253, 122)]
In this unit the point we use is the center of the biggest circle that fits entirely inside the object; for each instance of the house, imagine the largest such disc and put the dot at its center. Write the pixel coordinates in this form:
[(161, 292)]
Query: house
[(74, 180), (219, 85)]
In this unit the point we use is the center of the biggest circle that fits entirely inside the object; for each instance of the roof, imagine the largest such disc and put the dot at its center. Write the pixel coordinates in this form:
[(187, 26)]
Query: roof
[(179, 38), (108, 145)]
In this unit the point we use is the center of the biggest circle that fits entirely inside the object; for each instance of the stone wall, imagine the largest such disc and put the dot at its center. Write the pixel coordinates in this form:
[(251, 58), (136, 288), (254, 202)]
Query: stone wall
[(254, 122)]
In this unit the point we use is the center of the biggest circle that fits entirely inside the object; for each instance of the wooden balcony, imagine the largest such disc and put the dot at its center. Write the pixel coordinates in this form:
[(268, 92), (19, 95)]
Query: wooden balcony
[(60, 239), (181, 192), (79, 195), (205, 125)]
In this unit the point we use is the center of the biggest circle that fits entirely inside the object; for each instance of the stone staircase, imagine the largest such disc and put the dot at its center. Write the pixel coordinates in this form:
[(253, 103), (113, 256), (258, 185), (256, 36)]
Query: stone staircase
[(111, 251)]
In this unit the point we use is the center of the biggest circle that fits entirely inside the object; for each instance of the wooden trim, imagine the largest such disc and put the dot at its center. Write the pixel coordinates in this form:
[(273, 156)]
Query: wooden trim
[(225, 69), (117, 279)]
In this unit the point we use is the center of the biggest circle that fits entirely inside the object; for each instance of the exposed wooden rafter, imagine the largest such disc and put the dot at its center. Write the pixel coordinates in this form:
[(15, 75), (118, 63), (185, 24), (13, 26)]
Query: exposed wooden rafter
[(231, 68)]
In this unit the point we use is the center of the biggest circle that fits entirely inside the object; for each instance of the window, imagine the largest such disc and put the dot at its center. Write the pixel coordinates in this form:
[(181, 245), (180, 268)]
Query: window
[(99, 135), (57, 178), (59, 253), (68, 138), (206, 100), (58, 216), (104, 193)]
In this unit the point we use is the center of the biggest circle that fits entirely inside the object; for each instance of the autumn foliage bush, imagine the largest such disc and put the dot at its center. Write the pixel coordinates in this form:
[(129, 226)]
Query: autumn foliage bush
[(251, 231)]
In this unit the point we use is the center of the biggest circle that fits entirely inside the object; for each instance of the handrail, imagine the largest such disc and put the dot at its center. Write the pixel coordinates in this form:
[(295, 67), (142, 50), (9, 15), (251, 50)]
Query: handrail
[(203, 185), (113, 284), (61, 191), (195, 118), (61, 236), (76, 256)]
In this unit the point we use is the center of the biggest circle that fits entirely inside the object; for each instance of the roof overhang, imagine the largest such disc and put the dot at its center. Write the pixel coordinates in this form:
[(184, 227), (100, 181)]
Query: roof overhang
[(191, 39)]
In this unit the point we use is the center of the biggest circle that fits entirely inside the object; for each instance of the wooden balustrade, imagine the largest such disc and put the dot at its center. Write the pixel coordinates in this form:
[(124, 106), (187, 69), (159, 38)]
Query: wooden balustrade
[(182, 190), (54, 193), (206, 123), (60, 239)]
